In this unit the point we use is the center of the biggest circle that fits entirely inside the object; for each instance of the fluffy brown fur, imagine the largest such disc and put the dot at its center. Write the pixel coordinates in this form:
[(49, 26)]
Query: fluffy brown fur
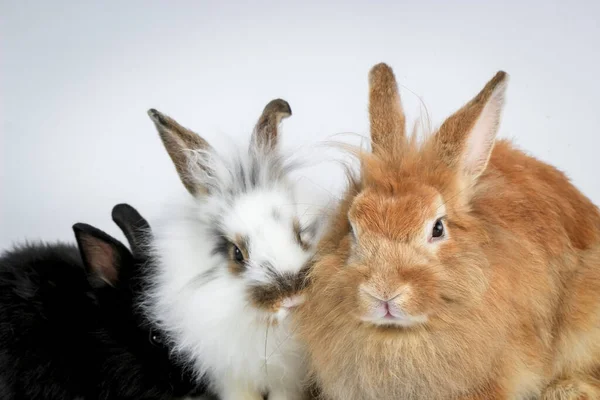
[(506, 305)]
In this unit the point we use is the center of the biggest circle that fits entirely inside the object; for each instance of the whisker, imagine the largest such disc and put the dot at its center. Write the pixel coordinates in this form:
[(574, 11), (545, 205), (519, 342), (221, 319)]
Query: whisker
[(283, 341), (456, 195), (204, 277), (422, 105), (319, 186), (266, 340)]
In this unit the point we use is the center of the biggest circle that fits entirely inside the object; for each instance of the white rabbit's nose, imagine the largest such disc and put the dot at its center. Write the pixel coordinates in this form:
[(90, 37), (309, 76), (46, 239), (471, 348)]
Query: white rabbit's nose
[(288, 305), (293, 301)]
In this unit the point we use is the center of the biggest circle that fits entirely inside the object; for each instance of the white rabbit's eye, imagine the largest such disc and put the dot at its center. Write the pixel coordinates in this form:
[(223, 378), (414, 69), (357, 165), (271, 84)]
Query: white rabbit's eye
[(438, 229), (298, 235), (238, 256)]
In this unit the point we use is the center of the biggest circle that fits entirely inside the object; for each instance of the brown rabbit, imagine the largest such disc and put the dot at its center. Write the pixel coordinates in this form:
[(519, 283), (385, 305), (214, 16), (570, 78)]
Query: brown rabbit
[(456, 268)]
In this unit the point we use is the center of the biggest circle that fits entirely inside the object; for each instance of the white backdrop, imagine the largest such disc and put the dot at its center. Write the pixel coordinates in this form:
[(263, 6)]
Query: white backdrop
[(78, 76)]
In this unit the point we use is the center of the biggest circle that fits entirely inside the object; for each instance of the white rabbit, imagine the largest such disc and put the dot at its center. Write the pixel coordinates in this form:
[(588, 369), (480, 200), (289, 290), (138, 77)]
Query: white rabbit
[(232, 261)]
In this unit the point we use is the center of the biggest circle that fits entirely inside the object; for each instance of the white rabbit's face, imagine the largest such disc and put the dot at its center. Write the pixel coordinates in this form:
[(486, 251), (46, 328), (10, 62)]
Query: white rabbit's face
[(261, 237), (244, 224)]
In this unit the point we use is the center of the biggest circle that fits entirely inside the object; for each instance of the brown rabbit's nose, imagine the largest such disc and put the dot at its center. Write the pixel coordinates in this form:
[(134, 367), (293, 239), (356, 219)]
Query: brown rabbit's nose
[(380, 297)]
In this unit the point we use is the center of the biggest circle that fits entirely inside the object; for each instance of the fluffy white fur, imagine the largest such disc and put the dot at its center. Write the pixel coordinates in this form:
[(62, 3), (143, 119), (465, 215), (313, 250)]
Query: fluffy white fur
[(201, 305)]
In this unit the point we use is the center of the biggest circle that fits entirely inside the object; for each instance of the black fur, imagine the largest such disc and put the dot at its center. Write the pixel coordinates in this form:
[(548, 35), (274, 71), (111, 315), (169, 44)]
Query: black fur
[(70, 332)]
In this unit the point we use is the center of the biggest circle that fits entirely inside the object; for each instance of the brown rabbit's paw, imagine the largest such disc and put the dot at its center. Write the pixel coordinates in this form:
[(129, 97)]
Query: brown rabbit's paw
[(571, 389)]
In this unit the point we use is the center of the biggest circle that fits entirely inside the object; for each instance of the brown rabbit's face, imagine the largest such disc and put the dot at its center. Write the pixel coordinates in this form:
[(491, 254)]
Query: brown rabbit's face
[(393, 239), (408, 257)]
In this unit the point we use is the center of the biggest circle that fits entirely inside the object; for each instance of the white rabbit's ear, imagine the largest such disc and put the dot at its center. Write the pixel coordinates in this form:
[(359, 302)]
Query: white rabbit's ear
[(181, 143), (466, 139), (266, 130), (386, 115)]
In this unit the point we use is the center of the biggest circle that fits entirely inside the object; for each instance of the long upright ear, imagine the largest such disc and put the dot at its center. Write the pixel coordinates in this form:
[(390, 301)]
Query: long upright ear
[(466, 139), (265, 133), (385, 111), (133, 225), (179, 142), (103, 256)]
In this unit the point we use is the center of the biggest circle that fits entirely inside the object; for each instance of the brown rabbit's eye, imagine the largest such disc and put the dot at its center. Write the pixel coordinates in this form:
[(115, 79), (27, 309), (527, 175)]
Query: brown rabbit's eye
[(238, 256), (438, 229)]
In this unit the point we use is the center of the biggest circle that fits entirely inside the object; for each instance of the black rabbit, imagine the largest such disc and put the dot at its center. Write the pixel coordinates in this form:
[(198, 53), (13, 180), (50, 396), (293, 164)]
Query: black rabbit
[(71, 326)]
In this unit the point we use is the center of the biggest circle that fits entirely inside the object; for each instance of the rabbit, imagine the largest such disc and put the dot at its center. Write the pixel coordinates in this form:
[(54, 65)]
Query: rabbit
[(455, 267), (231, 261), (70, 327)]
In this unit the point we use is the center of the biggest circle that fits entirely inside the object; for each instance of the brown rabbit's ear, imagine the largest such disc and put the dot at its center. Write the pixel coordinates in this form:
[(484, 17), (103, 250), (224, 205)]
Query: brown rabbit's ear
[(385, 111), (180, 142), (266, 129), (466, 139)]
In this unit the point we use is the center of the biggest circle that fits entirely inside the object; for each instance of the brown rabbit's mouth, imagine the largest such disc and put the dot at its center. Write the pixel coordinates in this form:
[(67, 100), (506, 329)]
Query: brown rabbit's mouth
[(391, 319), (402, 307)]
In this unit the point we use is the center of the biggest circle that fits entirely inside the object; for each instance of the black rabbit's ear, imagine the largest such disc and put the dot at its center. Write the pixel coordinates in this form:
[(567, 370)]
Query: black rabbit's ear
[(134, 226), (103, 256)]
